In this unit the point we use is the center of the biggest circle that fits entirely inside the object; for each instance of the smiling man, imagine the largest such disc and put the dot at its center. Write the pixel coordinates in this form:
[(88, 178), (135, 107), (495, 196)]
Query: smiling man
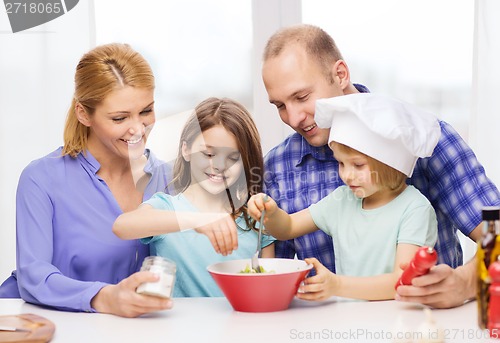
[(302, 64)]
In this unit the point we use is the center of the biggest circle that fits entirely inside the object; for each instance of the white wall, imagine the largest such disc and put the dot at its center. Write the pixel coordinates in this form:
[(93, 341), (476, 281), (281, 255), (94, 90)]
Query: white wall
[(36, 78), (485, 117), (164, 138), (269, 16)]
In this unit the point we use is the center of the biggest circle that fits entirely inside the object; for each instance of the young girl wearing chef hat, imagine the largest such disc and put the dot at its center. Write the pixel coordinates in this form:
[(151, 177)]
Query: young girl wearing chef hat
[(376, 220)]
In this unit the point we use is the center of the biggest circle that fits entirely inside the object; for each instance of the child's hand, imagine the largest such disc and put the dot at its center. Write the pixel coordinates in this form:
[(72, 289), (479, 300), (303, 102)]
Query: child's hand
[(222, 233), (320, 286), (257, 203)]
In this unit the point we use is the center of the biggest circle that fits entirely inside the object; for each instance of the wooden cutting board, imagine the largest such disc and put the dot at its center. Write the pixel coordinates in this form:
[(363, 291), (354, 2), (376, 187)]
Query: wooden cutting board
[(40, 329)]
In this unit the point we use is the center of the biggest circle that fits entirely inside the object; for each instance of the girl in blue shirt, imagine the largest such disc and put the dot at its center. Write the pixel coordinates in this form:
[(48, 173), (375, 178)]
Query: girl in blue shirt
[(219, 166)]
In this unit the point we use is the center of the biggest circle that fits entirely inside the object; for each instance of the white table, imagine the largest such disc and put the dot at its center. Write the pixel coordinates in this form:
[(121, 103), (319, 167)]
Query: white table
[(214, 320)]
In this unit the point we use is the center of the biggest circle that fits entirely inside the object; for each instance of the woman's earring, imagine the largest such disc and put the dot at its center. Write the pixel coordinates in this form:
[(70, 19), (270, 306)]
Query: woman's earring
[(241, 194)]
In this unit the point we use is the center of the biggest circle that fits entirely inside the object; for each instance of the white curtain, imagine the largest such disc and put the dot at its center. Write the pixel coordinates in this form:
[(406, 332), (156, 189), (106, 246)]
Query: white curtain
[(485, 113), (269, 16), (36, 85)]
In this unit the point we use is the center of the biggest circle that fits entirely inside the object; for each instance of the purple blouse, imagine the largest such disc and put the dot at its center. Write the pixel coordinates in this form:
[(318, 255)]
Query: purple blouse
[(66, 250)]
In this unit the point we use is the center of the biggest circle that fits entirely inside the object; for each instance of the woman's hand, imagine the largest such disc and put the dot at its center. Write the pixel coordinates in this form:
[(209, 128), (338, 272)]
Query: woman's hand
[(122, 300), (320, 286)]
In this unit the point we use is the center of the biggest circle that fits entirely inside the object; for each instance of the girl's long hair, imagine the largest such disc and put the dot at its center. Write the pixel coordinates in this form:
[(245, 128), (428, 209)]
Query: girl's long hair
[(237, 120)]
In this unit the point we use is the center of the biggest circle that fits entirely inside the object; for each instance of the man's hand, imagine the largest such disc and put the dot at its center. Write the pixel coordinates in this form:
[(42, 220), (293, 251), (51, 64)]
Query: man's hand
[(442, 287)]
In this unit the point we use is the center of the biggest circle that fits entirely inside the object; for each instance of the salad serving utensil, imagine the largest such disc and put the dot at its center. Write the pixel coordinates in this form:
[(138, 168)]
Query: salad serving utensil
[(13, 329), (258, 253)]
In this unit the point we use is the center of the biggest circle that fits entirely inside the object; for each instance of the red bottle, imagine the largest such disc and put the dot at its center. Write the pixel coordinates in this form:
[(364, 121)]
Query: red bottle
[(424, 259), (494, 304)]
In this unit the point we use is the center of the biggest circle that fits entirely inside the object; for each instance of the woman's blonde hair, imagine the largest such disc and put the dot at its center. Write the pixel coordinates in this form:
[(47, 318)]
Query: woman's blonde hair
[(381, 173), (100, 71)]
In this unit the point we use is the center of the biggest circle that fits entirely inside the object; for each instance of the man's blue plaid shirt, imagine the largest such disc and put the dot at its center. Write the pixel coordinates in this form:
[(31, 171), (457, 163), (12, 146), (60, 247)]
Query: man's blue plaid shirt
[(298, 175)]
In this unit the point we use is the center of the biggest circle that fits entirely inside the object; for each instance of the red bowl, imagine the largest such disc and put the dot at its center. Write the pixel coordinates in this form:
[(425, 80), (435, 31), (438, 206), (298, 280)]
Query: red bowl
[(260, 292)]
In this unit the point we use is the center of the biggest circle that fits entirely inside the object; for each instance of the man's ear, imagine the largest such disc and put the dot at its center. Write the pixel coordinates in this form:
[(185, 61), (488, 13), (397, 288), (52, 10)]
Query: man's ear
[(82, 115), (186, 152), (340, 73)]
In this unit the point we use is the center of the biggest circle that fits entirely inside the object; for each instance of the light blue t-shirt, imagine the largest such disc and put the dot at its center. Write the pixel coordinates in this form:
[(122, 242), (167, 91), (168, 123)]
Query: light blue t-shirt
[(365, 240), (192, 252)]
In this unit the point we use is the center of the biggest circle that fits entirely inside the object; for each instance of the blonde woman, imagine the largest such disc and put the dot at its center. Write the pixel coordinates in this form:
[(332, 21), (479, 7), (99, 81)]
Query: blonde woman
[(67, 255)]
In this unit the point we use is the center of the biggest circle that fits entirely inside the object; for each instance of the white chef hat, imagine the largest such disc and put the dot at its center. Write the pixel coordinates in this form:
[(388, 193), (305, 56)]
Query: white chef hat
[(388, 130)]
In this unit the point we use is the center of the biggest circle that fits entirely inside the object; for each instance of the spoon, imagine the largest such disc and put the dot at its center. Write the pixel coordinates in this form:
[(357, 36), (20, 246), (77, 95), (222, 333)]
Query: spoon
[(258, 253)]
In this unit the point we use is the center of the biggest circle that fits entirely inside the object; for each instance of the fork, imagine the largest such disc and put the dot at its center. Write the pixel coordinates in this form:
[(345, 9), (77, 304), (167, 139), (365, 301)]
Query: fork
[(258, 252)]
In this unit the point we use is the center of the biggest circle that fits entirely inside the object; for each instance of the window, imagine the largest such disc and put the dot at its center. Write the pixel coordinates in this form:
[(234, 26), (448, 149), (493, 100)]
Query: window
[(196, 48), (418, 51)]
